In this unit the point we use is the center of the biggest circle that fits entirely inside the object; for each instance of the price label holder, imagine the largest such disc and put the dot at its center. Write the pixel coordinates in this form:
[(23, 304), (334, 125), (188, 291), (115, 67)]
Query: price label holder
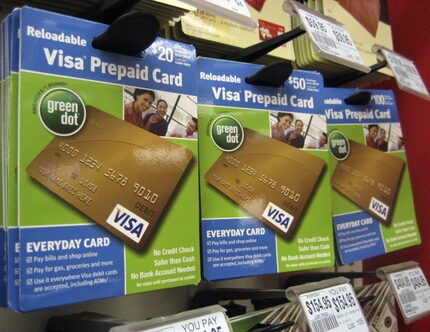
[(407, 76), (234, 10), (330, 305), (410, 288), (208, 319), (329, 38)]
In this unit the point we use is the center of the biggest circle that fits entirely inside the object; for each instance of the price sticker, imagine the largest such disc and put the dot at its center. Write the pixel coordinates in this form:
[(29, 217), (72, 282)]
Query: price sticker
[(412, 292), (215, 322), (235, 10), (330, 39), (407, 76), (333, 309)]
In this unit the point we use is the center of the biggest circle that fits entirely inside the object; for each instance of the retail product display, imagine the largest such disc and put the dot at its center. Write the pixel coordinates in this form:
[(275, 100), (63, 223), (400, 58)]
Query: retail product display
[(164, 10), (127, 174), (307, 58), (373, 209), (377, 302), (410, 287), (214, 35), (133, 177), (255, 180)]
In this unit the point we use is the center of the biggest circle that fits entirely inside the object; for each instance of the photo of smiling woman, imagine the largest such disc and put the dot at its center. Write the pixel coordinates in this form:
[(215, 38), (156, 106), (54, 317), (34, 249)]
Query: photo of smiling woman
[(142, 101), (279, 128)]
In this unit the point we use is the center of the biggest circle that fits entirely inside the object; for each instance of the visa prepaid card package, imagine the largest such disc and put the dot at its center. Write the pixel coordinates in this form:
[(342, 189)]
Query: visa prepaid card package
[(9, 155), (107, 163), (373, 207), (4, 76), (264, 185)]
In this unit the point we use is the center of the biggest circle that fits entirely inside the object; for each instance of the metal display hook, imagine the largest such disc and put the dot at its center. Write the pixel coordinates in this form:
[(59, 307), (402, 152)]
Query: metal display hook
[(130, 34), (336, 82)]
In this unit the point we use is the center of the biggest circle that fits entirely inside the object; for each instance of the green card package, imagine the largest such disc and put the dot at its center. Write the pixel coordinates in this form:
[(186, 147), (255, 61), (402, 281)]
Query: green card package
[(101, 139), (373, 207), (265, 203)]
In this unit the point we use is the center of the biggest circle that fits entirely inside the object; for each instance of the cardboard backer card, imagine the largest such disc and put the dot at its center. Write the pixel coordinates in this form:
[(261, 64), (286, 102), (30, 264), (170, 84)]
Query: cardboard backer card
[(106, 138), (373, 208), (263, 178)]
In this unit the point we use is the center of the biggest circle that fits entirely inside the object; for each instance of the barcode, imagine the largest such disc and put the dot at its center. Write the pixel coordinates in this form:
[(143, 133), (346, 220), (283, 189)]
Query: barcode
[(407, 297), (402, 73), (325, 324), (410, 70), (320, 38)]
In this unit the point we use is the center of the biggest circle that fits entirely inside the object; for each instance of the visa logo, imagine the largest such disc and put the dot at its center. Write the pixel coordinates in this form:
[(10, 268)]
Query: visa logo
[(278, 217), (379, 208), (128, 223)]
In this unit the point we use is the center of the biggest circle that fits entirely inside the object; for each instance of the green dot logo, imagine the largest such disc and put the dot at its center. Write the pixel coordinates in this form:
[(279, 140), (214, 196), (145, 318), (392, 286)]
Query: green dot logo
[(338, 145), (227, 133), (62, 112)]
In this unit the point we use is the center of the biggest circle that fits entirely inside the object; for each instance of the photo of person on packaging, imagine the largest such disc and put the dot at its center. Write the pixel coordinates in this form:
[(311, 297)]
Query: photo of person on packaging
[(189, 132), (143, 100), (295, 138), (155, 122), (400, 145), (381, 140), (371, 135), (279, 129), (321, 143)]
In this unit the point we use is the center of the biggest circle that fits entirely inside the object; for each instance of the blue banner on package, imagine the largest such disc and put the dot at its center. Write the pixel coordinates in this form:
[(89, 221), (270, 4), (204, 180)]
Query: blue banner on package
[(77, 261), (221, 84), (2, 269), (13, 268), (244, 246), (381, 108), (358, 236), (55, 51)]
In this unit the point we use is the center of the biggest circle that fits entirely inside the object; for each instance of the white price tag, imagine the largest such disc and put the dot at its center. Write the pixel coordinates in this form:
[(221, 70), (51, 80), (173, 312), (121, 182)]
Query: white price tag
[(237, 6), (407, 76), (330, 39), (412, 292), (333, 309), (235, 10), (215, 322)]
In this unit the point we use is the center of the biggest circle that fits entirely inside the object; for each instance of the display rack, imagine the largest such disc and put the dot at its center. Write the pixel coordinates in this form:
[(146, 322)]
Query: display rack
[(406, 20)]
